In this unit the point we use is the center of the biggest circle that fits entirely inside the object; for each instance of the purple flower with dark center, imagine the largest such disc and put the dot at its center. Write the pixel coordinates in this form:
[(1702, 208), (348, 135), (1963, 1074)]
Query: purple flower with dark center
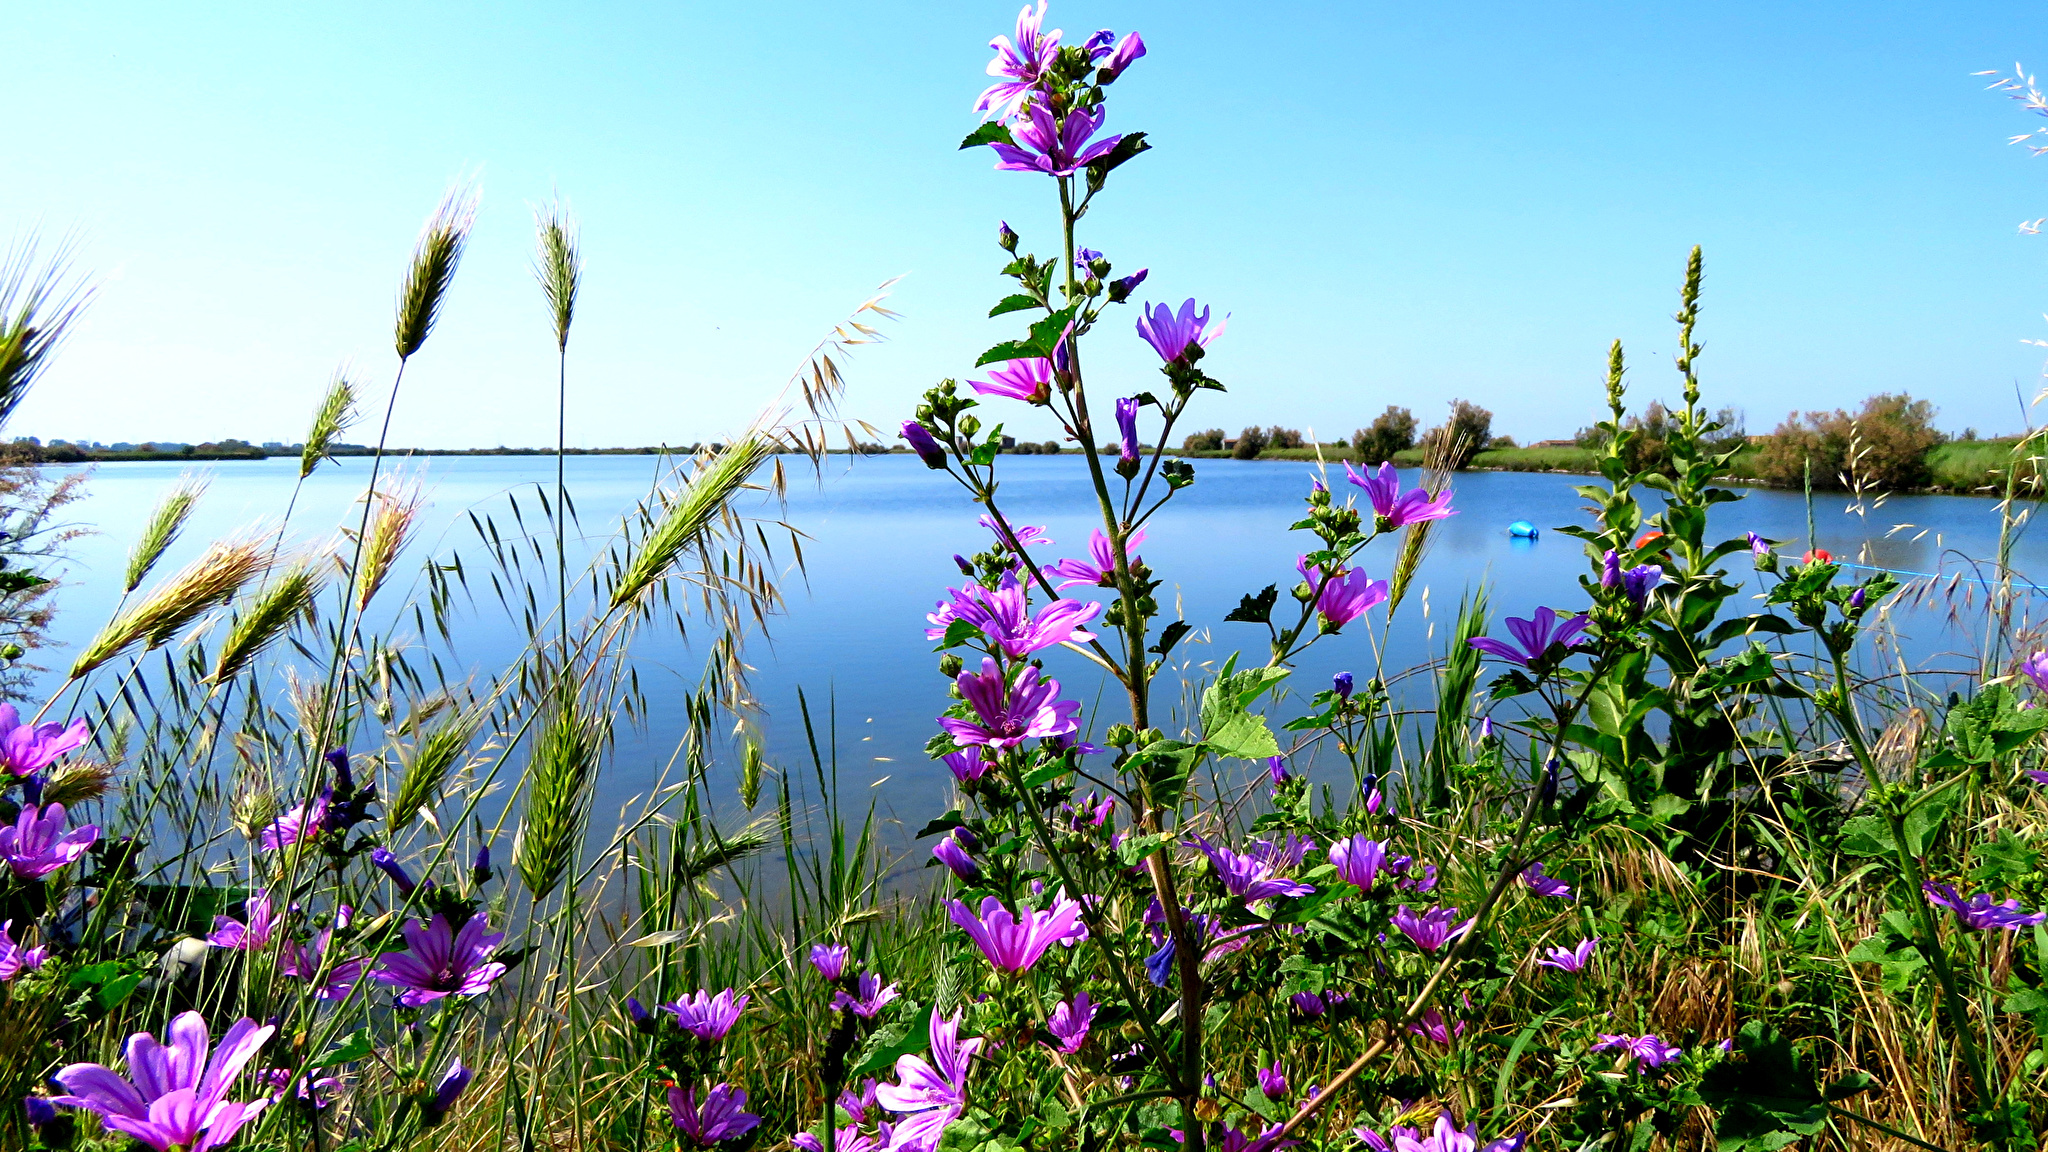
[(1272, 1081), (254, 934), (924, 444), (1021, 67), (36, 844), (1571, 959), (301, 823), (1311, 1004), (1979, 912), (1648, 1051), (26, 748), (1127, 429), (2036, 668), (1341, 684), (931, 1094), (1431, 930), (868, 997), (1276, 767), (14, 959), (1055, 148), (1089, 813), (952, 855), (1358, 860), (1070, 1022), (1013, 942), (1393, 508), (1248, 877), (1100, 568), (705, 1016), (1431, 1025), (389, 865), (1028, 379), (1447, 1137), (1171, 334), (1347, 597), (719, 1117), (1283, 854), (1030, 709), (1535, 636), (829, 960), (447, 1092), (1127, 52), (1015, 537), (442, 961), (1003, 615), (305, 961), (315, 1091), (178, 1097), (1545, 885), (967, 765)]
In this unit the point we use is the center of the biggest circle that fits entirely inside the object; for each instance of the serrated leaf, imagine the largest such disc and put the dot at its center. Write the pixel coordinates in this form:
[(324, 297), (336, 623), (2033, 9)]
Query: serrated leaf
[(1017, 303), (1256, 609), (993, 132), (1007, 350), (353, 1047)]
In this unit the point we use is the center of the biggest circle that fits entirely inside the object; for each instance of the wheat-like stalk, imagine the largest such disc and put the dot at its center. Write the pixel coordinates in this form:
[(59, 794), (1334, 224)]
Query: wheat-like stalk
[(336, 412), (559, 268), (164, 525), (558, 782), (207, 582), (390, 530), (290, 598), (426, 772), (39, 301), (1444, 453), (434, 259), (686, 517)]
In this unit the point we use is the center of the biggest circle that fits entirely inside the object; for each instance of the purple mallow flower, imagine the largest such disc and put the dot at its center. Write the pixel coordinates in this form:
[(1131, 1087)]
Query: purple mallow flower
[(1171, 334), (1758, 546), (36, 844), (245, 936), (1055, 148), (1127, 430), (719, 1117), (26, 748), (178, 1094), (1014, 942), (1347, 597), (1276, 767), (705, 1016), (1312, 1005), (1004, 616), (1359, 860), (301, 823), (1020, 66), (1571, 959), (389, 865), (931, 1094), (447, 1092), (1100, 568), (1015, 537), (950, 853), (14, 959), (1635, 583), (442, 961), (1535, 636), (829, 960), (1649, 1050), (1126, 53), (1028, 379), (1031, 708), (1431, 1025), (1545, 885), (1341, 685), (1395, 508), (1979, 912), (1445, 1137), (2036, 668), (304, 961), (1272, 1081), (924, 444), (868, 997), (1070, 1022), (1431, 930), (1248, 877), (967, 765)]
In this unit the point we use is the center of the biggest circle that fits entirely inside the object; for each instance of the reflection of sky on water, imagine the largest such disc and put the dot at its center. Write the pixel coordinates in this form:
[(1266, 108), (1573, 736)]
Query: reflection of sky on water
[(881, 536)]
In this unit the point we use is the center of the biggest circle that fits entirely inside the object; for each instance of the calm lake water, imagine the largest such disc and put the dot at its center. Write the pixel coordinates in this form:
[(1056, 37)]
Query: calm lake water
[(882, 532)]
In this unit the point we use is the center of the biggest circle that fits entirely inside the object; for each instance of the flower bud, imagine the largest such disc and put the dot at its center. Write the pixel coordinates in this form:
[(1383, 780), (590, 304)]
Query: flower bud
[(923, 443), (1005, 237), (1120, 735), (1121, 288), (435, 1109), (950, 665), (1341, 684), (389, 865), (480, 868)]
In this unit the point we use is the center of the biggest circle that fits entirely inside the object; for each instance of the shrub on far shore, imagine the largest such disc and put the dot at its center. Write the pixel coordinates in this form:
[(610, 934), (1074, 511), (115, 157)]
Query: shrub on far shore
[(1883, 447), (1390, 432)]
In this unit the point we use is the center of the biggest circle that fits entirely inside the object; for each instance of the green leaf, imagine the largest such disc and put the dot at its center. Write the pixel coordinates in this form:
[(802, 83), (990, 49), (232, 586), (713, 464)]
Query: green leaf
[(1007, 350), (1170, 635), (1227, 727), (353, 1046), (896, 1038), (1766, 1100), (957, 633), (993, 132), (116, 990), (1929, 813), (1126, 148), (1256, 609), (1867, 836), (1017, 303)]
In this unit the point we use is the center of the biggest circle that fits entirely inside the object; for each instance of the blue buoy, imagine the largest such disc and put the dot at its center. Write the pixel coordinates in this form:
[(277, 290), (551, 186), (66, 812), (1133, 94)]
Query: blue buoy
[(1523, 529)]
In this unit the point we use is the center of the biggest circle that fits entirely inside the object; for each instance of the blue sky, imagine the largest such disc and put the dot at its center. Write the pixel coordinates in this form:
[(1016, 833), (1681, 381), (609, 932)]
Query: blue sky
[(1397, 203)]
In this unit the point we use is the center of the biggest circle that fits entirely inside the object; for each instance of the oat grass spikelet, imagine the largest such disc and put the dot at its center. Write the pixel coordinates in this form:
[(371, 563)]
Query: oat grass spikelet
[(166, 522), (39, 302), (434, 259), (437, 754), (336, 412), (391, 527), (291, 598), (206, 583), (558, 780), (690, 514), (1444, 453), (559, 268)]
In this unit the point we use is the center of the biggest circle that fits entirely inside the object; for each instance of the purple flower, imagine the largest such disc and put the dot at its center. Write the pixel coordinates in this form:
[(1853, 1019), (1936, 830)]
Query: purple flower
[(922, 443), (932, 1093), (2036, 668), (1978, 911), (441, 961), (1276, 767), (40, 1110), (1636, 583), (1545, 885), (1028, 379), (2036, 775), (1536, 636), (705, 1016), (847, 1139), (1021, 66), (1004, 616), (1127, 52), (1286, 854), (305, 960), (1015, 537), (1758, 546), (178, 1098), (829, 960), (1059, 148), (1012, 942), (1171, 334), (14, 959), (869, 996), (1394, 508), (1341, 684), (26, 748), (952, 855), (300, 823), (1127, 429), (1031, 708), (231, 933), (447, 1092), (1100, 569), (1446, 1137), (1570, 959), (967, 765), (36, 844), (389, 865), (1070, 1022), (1089, 813), (1650, 1050), (1272, 1081), (720, 1117), (1431, 930), (1248, 877), (1120, 289), (1347, 597), (1432, 1026), (1358, 860)]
